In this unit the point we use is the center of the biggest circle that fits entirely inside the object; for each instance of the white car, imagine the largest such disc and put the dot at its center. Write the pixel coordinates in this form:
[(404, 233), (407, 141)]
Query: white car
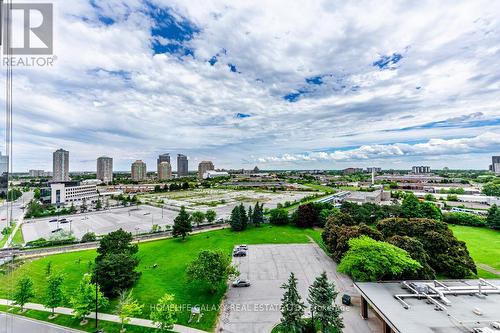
[(241, 283)]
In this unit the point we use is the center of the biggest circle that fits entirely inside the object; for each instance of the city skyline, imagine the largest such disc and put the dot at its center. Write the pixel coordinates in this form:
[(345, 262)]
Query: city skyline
[(246, 84)]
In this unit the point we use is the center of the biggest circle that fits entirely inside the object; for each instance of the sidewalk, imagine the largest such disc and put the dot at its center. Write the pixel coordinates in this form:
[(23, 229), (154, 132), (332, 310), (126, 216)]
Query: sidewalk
[(103, 316)]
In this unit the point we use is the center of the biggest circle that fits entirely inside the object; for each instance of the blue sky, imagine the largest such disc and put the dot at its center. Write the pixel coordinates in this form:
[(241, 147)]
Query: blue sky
[(278, 84)]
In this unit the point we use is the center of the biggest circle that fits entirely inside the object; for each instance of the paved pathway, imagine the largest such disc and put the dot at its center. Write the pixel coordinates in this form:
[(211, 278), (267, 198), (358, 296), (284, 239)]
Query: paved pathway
[(489, 269), (104, 316)]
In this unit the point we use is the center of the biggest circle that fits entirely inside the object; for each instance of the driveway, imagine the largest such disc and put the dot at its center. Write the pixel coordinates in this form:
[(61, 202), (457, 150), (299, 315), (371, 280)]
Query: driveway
[(256, 308)]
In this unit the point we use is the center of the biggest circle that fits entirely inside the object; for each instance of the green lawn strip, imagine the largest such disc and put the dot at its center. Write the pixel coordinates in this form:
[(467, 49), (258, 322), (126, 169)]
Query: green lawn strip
[(172, 257), (6, 236), (18, 238), (483, 245), (69, 321), (322, 188)]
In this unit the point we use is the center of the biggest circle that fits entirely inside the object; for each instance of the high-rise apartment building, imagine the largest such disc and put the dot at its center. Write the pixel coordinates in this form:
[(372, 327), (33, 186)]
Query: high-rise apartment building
[(105, 169), (60, 165), (203, 167), (164, 170), (421, 169), (162, 158), (495, 164), (139, 170), (182, 165)]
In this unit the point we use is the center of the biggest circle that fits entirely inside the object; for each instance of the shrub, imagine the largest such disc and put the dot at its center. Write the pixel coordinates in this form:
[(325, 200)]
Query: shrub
[(464, 219)]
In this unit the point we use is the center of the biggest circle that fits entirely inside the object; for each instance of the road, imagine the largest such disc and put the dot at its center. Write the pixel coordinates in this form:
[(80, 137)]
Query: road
[(14, 324), (17, 214)]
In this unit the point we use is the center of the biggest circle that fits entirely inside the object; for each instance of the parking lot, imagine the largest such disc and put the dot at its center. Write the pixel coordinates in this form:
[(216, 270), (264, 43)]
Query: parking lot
[(256, 308), (132, 219)]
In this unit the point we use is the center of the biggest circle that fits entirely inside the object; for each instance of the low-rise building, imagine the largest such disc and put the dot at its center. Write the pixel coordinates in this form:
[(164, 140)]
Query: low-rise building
[(214, 174), (65, 193)]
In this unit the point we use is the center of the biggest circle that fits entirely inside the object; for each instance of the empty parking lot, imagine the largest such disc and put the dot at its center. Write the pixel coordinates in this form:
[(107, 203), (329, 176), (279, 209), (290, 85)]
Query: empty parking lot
[(135, 220), (256, 308)]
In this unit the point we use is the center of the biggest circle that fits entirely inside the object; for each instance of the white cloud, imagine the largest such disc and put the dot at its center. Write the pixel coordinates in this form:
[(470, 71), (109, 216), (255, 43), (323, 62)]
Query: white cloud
[(109, 94)]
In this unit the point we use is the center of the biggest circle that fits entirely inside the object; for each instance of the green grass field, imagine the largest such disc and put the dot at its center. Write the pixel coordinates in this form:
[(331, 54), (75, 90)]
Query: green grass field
[(172, 257), (483, 245)]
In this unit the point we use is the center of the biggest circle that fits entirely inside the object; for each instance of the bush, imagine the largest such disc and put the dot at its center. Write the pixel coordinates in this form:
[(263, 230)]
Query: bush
[(464, 219), (278, 216)]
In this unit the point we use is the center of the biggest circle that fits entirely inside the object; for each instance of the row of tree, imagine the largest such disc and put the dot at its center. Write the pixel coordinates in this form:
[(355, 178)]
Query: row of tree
[(241, 217), (83, 301), (183, 221), (325, 314)]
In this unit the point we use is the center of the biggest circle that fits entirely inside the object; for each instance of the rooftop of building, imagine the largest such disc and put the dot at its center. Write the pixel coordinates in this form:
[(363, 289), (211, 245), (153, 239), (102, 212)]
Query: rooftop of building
[(465, 305)]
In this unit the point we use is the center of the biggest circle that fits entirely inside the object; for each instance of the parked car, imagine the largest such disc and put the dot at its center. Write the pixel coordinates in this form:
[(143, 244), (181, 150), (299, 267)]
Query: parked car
[(64, 221), (242, 247), (56, 230), (53, 220), (239, 253), (241, 283)]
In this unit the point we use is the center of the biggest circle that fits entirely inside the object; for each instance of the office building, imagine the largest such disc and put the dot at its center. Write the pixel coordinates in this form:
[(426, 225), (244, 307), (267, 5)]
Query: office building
[(73, 193), (373, 169), (203, 167), (60, 165), (418, 170), (350, 171), (105, 169), (139, 170), (182, 165), (164, 170)]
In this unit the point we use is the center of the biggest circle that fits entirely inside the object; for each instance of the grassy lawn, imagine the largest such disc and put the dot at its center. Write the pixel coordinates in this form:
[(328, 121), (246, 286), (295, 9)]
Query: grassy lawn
[(172, 257), (322, 188), (4, 238), (69, 321), (483, 245), (18, 237)]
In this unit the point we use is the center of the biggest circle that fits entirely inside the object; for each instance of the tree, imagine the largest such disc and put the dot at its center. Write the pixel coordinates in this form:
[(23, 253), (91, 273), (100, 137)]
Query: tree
[(493, 219), (278, 216), (72, 208), (447, 255), (98, 204), (307, 216), (321, 298), (460, 218), (211, 268), (116, 262), (164, 313), (371, 260), (198, 218), (292, 307), (83, 300), (336, 237), (430, 211), (258, 214), (417, 252), (182, 224), (210, 215), (89, 237), (83, 206), (48, 268), (239, 218), (492, 189), (37, 193), (127, 308), (250, 215), (24, 292), (54, 295), (411, 206)]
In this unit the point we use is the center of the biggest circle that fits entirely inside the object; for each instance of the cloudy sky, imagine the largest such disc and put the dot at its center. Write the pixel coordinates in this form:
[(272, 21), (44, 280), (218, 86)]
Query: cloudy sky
[(274, 83)]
